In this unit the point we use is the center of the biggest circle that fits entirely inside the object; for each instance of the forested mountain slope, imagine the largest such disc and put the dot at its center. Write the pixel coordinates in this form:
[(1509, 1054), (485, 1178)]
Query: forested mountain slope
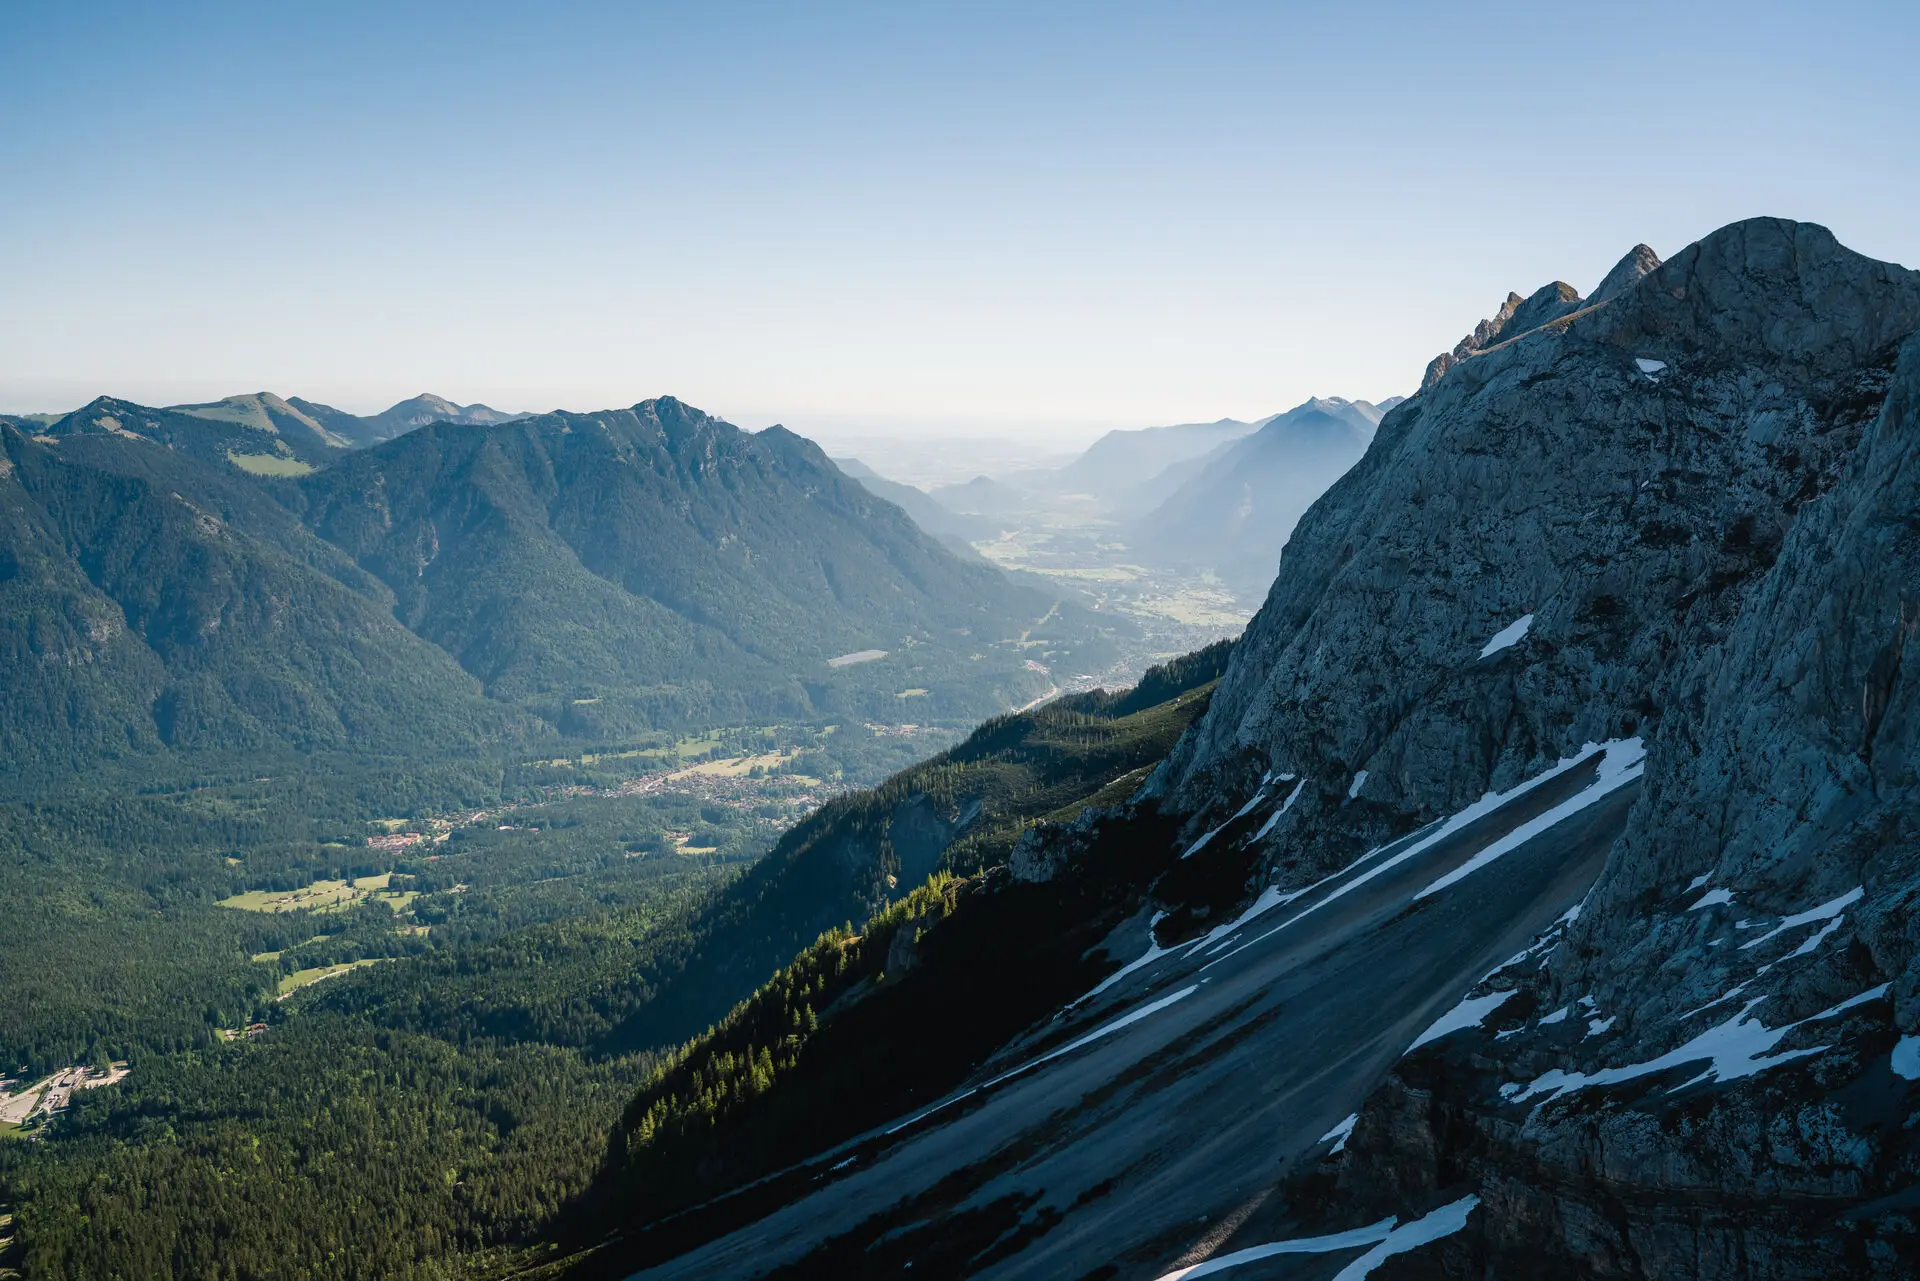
[(1532, 896), (505, 1056), (173, 590), (961, 812), (653, 563), (150, 605)]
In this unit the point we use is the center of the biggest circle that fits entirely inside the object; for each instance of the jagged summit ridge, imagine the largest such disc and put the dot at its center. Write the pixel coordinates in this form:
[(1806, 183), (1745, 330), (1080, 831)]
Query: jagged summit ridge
[(1518, 316)]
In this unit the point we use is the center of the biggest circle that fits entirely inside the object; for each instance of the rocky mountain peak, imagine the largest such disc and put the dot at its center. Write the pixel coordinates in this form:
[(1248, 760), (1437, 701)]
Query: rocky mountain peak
[(1639, 262), (1678, 520)]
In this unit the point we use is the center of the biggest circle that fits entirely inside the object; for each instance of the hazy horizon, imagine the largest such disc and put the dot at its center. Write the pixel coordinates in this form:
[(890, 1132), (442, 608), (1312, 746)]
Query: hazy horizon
[(974, 222)]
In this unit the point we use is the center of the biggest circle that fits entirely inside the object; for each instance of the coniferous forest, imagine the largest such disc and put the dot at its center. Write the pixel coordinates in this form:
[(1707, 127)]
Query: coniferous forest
[(381, 1011)]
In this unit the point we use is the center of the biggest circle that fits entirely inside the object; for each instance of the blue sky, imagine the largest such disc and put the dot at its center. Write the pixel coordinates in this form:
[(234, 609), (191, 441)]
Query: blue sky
[(1040, 219)]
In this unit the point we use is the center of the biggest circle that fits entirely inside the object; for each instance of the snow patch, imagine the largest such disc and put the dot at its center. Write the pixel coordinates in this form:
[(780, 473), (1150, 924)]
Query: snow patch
[(1906, 1058), (1274, 818), (1649, 366), (1827, 911), (1269, 899), (1625, 761), (1722, 999), (1468, 1013), (1509, 636), (1340, 1134), (1698, 881), (1259, 795), (1558, 1016), (1387, 1237), (1359, 781), (1107, 1029), (1351, 1239), (1627, 750), (1712, 898), (1813, 943), (1596, 1026), (1737, 1048), (1444, 1222)]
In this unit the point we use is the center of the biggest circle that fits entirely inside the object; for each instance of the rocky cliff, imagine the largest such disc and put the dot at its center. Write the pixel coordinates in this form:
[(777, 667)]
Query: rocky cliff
[(1686, 514)]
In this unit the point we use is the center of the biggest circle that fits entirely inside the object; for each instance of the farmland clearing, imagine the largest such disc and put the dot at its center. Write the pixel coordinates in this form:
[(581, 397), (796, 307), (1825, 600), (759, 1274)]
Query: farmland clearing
[(293, 982), (323, 896)]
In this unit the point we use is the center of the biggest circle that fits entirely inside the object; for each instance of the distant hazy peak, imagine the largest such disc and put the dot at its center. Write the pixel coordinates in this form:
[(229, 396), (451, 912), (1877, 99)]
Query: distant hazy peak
[(855, 468), (1358, 414), (264, 411), (1628, 272), (429, 408)]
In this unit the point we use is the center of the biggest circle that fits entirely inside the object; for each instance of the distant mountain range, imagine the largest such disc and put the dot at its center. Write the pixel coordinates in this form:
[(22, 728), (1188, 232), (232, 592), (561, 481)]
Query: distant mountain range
[(1233, 508), (234, 578), (1118, 463), (1219, 496), (956, 529), (301, 423), (402, 418)]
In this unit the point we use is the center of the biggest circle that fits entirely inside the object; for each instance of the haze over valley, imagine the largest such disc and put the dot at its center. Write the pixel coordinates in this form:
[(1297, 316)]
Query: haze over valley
[(1094, 642)]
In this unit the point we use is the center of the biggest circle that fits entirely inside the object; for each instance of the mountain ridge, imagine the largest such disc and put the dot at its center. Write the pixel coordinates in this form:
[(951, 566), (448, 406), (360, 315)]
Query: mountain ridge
[(596, 575)]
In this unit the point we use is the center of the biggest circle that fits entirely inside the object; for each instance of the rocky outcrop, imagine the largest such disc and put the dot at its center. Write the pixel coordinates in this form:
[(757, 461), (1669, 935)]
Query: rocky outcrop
[(1640, 261), (1683, 511), (1621, 481), (1519, 316)]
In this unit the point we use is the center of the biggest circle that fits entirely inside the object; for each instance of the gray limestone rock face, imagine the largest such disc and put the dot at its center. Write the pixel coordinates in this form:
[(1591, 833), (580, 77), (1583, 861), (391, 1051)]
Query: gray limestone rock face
[(1702, 490), (1623, 481)]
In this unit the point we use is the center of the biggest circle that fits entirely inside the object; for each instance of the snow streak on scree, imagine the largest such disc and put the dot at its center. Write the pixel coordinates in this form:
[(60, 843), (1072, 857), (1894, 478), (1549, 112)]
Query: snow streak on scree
[(1624, 761), (1386, 1239), (1471, 1012)]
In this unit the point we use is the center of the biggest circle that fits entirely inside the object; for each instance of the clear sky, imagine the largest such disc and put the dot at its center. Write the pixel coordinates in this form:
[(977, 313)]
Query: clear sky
[(971, 218)]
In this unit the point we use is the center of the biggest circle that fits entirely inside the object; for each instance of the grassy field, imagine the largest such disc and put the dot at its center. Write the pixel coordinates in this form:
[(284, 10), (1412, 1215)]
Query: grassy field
[(269, 464), (741, 766), (306, 978), (321, 896)]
